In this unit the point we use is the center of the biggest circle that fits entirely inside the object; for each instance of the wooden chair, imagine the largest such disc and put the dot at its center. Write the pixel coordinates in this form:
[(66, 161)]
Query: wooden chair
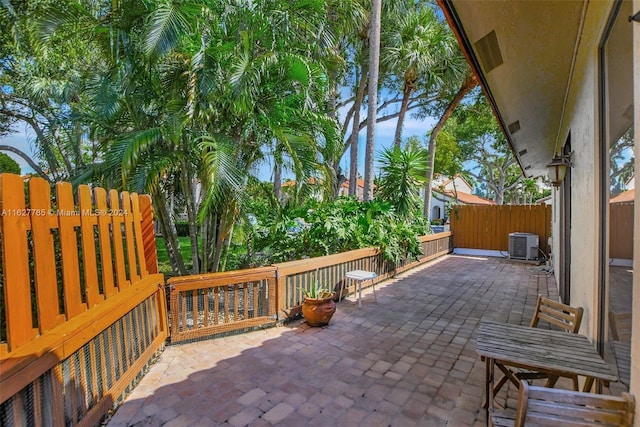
[(540, 406), (620, 326), (558, 315)]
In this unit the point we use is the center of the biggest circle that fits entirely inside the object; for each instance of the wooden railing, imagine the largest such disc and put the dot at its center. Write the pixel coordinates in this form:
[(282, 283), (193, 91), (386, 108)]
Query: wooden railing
[(81, 314), (209, 304), (330, 271)]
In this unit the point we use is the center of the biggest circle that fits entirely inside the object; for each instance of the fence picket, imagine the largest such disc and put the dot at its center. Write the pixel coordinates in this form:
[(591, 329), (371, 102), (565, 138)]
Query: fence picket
[(44, 255), (116, 235), (148, 234), (68, 220), (88, 221), (127, 218), (139, 237), (104, 224), (15, 249)]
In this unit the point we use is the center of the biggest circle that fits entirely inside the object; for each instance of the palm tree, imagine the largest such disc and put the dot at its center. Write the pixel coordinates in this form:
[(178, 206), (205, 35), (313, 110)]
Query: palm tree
[(372, 97), (417, 48), (402, 175)]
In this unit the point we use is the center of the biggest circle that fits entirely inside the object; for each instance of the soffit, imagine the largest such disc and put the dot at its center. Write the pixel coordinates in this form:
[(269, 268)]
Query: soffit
[(536, 41)]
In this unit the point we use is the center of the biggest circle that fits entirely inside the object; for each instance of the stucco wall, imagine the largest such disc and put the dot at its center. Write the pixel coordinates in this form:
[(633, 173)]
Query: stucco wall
[(581, 119)]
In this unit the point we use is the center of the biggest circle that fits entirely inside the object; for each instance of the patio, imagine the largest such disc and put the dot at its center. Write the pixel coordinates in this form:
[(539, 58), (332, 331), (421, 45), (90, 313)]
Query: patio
[(408, 359)]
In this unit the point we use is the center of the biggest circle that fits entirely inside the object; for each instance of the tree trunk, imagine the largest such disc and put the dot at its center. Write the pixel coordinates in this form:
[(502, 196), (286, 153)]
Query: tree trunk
[(468, 84), (169, 233), (372, 97), (277, 181), (353, 165), (185, 183), (397, 140)]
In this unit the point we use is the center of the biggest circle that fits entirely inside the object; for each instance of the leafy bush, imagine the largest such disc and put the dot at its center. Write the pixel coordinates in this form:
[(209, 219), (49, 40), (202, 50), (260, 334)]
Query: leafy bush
[(317, 229)]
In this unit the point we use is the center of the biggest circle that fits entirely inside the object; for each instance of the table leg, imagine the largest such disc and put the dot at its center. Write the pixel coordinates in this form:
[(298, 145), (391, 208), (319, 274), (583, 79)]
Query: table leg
[(359, 293), (488, 389), (588, 383)]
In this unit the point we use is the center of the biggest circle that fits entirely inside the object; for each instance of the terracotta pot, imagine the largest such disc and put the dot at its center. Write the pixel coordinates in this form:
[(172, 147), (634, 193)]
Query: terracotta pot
[(318, 312)]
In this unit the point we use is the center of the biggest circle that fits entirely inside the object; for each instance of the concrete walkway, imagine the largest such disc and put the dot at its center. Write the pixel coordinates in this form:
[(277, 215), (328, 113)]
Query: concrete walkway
[(407, 360)]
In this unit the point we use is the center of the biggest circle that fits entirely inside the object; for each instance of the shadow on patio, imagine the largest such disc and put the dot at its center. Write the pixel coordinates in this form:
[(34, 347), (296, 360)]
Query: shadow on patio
[(408, 359)]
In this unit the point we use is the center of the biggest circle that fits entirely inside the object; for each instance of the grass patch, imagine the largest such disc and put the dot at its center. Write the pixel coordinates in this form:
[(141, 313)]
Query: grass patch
[(164, 266)]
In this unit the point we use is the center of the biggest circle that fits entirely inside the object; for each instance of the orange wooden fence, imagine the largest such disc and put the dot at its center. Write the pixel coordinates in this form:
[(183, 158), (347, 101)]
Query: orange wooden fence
[(210, 304), (621, 230), (488, 227), (80, 314)]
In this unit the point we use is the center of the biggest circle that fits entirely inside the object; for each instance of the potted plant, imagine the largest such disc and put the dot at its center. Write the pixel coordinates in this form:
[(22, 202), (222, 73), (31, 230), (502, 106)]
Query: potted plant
[(318, 305)]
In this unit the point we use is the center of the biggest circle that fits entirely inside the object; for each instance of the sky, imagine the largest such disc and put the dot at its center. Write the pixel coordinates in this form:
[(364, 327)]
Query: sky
[(384, 134), (19, 140)]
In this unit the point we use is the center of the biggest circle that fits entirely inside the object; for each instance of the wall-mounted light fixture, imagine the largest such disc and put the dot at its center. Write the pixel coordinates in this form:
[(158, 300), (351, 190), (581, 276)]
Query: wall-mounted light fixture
[(557, 169)]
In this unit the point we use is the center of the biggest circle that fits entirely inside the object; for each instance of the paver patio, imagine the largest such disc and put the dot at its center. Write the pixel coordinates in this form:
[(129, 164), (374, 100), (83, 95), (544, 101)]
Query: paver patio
[(407, 360)]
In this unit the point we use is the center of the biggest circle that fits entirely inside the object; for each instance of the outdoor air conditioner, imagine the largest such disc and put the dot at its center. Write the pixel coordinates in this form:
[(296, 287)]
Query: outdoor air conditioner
[(523, 246)]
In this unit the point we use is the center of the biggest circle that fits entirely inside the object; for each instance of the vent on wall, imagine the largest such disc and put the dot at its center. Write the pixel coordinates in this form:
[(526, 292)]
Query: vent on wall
[(489, 51), (523, 246)]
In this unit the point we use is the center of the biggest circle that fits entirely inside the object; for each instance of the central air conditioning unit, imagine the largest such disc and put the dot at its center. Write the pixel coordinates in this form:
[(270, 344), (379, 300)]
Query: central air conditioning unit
[(523, 246)]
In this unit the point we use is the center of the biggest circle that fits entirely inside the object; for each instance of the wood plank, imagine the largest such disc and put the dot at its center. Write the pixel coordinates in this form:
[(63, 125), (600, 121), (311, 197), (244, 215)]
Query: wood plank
[(127, 219), (148, 234), (88, 222), (44, 256), (139, 237), (15, 223), (69, 220), (116, 236), (104, 238)]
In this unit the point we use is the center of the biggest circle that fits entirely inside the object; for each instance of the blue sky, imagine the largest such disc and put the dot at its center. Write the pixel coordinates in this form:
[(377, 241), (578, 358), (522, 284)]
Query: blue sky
[(19, 140), (383, 137)]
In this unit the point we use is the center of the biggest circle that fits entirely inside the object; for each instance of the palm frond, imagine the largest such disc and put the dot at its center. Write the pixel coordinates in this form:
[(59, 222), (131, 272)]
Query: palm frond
[(168, 24)]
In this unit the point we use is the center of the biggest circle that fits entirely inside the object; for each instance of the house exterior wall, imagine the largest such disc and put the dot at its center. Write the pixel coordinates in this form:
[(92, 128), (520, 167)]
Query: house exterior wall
[(438, 200), (635, 339), (581, 117), (582, 120)]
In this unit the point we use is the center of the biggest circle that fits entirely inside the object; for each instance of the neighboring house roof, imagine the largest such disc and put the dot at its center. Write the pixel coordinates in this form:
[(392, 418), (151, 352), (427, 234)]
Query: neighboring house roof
[(448, 181), (625, 196), (466, 198), (310, 181), (345, 184)]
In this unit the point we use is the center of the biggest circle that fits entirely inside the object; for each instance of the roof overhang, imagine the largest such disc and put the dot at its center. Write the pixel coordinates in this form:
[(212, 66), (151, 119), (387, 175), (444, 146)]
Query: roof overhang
[(522, 53)]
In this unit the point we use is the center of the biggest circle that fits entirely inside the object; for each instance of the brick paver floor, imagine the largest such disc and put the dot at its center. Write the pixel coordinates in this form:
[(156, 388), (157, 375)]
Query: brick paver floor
[(407, 360)]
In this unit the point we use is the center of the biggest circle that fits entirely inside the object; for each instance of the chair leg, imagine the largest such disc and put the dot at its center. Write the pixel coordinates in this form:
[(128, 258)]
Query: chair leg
[(576, 386), (500, 384)]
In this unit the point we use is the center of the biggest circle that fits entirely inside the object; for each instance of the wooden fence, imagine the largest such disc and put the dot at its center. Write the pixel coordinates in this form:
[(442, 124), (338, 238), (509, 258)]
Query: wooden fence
[(209, 304), (80, 313), (83, 310), (488, 227), (621, 230)]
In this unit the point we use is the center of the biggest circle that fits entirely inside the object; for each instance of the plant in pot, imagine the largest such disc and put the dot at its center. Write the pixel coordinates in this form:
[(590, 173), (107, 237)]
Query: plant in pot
[(318, 305)]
